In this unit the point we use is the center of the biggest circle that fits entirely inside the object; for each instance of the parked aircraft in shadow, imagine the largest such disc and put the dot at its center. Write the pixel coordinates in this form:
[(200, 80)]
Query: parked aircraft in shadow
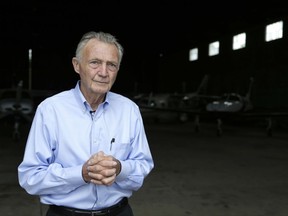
[(232, 106), (17, 105), (232, 102), (168, 106), (198, 99), (227, 107), (156, 106)]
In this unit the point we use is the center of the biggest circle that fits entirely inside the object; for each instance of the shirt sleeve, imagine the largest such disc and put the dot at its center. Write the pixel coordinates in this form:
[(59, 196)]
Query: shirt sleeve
[(38, 173), (139, 163)]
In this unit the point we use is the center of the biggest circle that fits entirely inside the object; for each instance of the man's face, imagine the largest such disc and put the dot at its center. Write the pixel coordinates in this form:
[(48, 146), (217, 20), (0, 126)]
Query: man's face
[(98, 67)]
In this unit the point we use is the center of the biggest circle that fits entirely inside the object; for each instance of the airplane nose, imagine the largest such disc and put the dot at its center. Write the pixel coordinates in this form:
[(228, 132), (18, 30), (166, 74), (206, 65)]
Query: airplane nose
[(16, 106)]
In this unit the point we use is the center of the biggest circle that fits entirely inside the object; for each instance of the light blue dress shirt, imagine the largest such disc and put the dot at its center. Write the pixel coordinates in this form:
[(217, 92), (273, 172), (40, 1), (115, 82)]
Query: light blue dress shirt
[(64, 135)]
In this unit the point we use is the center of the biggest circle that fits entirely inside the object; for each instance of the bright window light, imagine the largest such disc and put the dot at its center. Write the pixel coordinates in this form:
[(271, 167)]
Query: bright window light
[(193, 54), (214, 48), (274, 31), (239, 41)]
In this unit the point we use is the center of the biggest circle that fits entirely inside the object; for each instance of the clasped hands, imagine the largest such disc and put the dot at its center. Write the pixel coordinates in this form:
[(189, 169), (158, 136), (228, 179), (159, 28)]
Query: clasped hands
[(101, 169)]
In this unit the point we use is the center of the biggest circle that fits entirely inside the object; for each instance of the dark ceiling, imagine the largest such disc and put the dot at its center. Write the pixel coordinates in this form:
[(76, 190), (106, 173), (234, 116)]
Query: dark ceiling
[(157, 25), (146, 29)]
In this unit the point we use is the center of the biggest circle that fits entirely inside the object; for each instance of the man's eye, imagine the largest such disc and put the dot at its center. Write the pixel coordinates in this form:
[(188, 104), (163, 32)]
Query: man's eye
[(95, 62), (112, 66)]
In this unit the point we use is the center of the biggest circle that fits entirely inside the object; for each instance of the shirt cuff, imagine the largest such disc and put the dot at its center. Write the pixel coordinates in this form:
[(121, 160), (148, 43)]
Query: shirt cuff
[(124, 171)]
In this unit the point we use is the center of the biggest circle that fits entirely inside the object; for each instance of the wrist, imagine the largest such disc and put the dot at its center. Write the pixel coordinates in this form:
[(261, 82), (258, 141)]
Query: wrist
[(118, 167), (85, 175)]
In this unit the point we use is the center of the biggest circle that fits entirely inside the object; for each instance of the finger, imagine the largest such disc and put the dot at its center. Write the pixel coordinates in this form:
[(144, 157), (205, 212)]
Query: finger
[(109, 180), (95, 176), (94, 159), (108, 172), (107, 163), (96, 182), (96, 168), (96, 155), (100, 153)]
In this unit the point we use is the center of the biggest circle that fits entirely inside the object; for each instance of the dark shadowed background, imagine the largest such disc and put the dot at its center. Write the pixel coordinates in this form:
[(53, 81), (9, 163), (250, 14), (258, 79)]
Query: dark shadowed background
[(148, 31)]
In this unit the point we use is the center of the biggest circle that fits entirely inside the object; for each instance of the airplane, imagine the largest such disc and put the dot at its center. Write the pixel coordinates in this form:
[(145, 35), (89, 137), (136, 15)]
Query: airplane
[(165, 105), (234, 105), (150, 105), (228, 106), (18, 104), (232, 102), (198, 98)]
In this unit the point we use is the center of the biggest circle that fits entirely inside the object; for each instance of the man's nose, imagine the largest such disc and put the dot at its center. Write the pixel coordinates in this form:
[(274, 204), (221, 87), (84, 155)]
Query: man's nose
[(103, 69)]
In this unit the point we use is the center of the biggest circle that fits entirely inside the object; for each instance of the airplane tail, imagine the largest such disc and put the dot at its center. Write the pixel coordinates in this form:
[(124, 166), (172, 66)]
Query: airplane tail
[(202, 88), (17, 103), (248, 95)]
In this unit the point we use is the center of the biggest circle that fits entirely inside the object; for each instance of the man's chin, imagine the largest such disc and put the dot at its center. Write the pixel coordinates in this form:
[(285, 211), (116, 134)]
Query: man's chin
[(101, 89)]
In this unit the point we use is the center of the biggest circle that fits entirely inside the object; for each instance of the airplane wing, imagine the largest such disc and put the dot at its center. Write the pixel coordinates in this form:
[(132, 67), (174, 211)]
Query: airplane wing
[(219, 117), (224, 107), (18, 104)]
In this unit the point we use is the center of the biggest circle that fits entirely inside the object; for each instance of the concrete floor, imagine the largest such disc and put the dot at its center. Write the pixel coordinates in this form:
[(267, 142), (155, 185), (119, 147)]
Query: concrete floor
[(241, 173)]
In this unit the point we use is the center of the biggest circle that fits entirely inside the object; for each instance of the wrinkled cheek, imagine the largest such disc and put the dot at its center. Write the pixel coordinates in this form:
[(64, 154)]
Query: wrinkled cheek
[(113, 80)]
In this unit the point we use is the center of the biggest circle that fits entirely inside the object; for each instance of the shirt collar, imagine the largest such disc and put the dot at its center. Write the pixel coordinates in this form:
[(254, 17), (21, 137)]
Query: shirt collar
[(82, 101)]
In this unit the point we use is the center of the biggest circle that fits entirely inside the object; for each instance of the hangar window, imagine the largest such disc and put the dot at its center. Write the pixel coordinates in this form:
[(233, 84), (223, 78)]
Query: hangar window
[(214, 48), (274, 31), (193, 54), (239, 41)]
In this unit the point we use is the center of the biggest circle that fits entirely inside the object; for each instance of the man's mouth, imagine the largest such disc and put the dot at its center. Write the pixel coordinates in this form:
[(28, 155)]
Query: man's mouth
[(101, 82)]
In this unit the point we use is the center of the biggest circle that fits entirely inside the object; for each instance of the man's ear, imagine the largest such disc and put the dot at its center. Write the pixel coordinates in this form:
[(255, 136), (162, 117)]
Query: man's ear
[(75, 64)]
